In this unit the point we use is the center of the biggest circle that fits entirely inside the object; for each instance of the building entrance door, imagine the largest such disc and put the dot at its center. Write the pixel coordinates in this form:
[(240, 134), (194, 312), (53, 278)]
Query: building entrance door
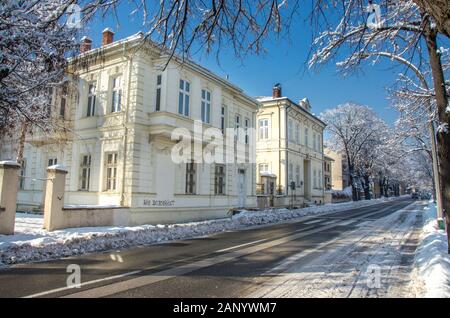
[(307, 179), (241, 188)]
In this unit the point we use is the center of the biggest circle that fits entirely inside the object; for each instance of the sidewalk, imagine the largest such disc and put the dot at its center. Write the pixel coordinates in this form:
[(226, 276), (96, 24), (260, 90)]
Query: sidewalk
[(432, 262)]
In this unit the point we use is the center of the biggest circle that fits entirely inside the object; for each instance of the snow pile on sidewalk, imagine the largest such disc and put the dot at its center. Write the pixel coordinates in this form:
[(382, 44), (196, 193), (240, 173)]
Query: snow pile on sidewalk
[(432, 260), (32, 243)]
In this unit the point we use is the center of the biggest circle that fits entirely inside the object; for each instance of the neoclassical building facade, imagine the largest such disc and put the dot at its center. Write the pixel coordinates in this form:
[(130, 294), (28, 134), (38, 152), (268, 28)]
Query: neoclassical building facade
[(289, 151), (120, 110)]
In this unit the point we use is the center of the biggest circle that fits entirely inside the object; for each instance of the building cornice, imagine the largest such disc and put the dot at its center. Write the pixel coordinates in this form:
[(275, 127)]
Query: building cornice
[(283, 101), (126, 45)]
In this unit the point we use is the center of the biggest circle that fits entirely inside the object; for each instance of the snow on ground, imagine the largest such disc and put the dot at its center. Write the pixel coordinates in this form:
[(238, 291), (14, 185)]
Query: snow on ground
[(32, 243), (374, 260), (432, 263)]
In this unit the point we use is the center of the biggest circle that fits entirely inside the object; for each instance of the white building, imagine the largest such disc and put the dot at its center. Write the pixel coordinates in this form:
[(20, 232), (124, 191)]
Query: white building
[(121, 113), (289, 151)]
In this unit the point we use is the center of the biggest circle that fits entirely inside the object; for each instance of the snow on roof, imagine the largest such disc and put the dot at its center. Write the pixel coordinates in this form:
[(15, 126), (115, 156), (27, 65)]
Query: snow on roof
[(9, 163), (58, 168), (108, 30), (267, 174), (268, 98)]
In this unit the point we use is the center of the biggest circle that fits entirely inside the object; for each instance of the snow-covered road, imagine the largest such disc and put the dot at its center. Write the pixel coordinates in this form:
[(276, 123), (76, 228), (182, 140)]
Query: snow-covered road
[(32, 243), (374, 260)]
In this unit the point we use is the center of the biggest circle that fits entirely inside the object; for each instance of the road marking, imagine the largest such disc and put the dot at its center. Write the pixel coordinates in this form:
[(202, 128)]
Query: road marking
[(344, 223), (57, 290), (170, 273), (141, 281), (313, 221), (241, 245)]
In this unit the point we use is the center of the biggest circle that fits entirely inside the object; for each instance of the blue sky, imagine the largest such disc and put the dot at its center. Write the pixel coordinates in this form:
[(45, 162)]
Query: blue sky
[(284, 63)]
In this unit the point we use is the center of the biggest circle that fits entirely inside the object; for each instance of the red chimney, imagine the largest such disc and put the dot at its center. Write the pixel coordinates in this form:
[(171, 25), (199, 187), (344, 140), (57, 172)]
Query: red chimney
[(85, 44), (276, 91), (108, 36)]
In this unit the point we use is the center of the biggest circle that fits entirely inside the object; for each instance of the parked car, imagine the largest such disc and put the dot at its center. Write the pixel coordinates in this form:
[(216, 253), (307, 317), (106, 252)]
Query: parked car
[(414, 195), (425, 196)]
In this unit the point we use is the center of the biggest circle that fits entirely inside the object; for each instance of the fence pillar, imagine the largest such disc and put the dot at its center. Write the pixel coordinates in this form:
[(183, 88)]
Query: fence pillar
[(54, 197), (8, 195)]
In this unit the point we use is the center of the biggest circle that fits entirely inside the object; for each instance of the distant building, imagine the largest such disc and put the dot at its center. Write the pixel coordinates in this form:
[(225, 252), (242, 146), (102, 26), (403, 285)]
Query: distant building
[(289, 151), (327, 172), (340, 177)]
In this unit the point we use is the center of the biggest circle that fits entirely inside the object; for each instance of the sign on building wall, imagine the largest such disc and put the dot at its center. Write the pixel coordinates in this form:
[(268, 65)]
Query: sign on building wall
[(159, 203)]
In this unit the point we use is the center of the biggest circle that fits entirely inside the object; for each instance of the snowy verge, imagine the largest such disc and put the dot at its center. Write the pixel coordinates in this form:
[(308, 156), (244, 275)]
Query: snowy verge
[(31, 243), (432, 262)]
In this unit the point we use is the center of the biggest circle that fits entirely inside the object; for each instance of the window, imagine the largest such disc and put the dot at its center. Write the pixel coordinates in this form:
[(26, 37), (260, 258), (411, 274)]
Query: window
[(306, 137), (85, 172), (111, 171), (263, 129), (319, 146), (91, 100), (314, 142), (290, 130), (158, 92), (320, 179), (52, 162), (206, 106), (183, 98), (246, 125), (291, 172), (315, 179), (116, 103), (297, 133), (297, 175), (219, 180), (263, 167), (62, 107), (237, 125), (222, 118), (62, 102), (190, 178), (23, 168)]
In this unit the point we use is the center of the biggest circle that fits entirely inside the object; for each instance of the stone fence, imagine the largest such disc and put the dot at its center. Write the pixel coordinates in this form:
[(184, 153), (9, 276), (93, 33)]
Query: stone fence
[(9, 179), (56, 215)]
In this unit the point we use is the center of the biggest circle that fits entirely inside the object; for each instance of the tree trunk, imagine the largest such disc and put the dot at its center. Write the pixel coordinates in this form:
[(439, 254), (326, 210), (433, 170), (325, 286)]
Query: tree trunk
[(386, 188), (23, 132), (443, 136), (367, 187), (351, 169), (439, 10)]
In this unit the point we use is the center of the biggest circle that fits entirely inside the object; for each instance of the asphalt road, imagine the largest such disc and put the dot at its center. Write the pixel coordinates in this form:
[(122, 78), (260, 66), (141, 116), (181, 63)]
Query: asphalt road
[(228, 264)]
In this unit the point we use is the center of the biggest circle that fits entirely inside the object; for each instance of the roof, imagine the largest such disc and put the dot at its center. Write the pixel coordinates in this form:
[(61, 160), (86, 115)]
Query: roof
[(267, 174), (137, 37), (267, 99)]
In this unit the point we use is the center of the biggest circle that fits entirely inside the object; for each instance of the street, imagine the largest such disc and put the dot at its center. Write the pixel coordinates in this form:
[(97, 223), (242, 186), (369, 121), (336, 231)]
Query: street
[(316, 256)]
